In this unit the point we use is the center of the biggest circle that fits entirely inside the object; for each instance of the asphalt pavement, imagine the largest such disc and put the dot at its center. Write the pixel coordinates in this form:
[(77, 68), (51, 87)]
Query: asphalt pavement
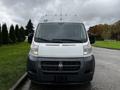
[(106, 77)]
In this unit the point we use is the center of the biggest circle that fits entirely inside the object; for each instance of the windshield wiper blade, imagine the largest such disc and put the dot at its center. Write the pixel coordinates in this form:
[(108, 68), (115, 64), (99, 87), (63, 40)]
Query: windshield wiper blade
[(41, 39), (67, 40), (58, 40)]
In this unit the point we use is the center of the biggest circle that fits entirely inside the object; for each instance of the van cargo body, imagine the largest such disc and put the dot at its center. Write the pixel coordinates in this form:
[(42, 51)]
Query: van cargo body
[(60, 53)]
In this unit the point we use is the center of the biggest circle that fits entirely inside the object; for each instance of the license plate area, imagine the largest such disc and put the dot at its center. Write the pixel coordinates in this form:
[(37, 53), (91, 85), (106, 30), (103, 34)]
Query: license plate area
[(60, 78)]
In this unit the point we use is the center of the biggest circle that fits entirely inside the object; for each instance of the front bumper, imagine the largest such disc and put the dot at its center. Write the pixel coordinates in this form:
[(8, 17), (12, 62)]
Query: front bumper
[(81, 73)]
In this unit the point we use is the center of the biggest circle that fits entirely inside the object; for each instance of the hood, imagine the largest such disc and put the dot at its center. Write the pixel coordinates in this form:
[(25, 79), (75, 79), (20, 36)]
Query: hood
[(60, 50)]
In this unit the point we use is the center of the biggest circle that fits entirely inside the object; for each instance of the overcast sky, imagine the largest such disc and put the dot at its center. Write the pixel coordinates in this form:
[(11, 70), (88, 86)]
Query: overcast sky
[(91, 12)]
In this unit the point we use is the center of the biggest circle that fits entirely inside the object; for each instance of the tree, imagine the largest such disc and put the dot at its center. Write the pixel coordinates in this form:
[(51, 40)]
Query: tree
[(12, 35), (5, 38), (106, 32), (97, 31), (0, 36), (29, 27), (22, 34), (17, 33)]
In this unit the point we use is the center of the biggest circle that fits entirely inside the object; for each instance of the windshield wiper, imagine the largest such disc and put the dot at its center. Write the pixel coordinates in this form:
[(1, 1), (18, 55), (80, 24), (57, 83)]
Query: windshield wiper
[(41, 39), (67, 40), (58, 40)]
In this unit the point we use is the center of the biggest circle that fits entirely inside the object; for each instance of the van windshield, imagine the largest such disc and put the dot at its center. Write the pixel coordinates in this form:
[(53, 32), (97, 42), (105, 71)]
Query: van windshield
[(61, 33)]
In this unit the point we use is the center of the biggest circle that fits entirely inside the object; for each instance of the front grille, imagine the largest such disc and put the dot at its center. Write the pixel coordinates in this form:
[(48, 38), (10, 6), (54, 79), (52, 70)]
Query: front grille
[(60, 66)]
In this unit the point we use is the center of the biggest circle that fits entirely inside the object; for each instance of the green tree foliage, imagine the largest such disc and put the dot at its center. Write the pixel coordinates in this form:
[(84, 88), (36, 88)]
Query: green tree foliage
[(5, 38), (0, 36), (22, 34), (117, 30), (97, 31), (106, 34), (105, 31), (29, 27), (12, 35), (17, 33)]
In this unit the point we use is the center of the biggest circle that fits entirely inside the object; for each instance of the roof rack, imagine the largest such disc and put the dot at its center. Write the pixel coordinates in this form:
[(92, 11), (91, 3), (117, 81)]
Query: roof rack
[(59, 17)]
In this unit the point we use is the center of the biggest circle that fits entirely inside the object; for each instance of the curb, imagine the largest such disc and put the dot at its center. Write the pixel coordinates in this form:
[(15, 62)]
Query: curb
[(106, 48), (19, 82)]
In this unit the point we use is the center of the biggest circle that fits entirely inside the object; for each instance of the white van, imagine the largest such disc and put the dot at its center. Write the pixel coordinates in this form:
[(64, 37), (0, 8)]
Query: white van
[(60, 53)]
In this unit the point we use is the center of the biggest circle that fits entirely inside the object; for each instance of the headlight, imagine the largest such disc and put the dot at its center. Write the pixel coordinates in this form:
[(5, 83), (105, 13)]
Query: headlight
[(87, 49), (34, 49)]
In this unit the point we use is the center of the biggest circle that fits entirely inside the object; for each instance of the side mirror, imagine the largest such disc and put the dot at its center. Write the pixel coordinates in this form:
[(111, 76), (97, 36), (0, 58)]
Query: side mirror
[(92, 39), (30, 37)]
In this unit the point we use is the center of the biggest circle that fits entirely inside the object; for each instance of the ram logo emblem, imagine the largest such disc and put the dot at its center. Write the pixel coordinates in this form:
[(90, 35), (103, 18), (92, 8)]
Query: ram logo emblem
[(60, 66)]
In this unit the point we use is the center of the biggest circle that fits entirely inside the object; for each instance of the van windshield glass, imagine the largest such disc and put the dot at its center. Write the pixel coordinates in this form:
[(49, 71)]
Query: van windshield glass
[(61, 33)]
